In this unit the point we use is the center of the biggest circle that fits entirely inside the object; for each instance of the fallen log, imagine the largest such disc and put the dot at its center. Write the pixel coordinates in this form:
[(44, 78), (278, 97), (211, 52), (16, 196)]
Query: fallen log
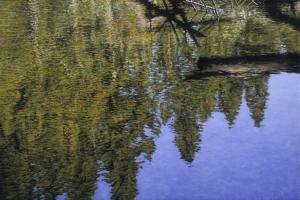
[(246, 65)]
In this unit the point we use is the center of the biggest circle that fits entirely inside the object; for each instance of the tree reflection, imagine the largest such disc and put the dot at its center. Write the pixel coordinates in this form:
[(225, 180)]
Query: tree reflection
[(256, 97), (82, 81)]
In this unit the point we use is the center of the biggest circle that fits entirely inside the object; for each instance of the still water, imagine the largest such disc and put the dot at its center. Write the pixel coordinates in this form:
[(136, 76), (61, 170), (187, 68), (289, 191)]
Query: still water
[(97, 102)]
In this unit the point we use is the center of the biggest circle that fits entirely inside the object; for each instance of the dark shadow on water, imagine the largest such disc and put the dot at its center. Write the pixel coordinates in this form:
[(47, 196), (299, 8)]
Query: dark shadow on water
[(250, 65), (290, 58), (273, 9), (174, 14)]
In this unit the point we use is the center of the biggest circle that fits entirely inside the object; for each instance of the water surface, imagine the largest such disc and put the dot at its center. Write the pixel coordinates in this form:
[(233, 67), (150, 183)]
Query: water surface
[(97, 102)]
